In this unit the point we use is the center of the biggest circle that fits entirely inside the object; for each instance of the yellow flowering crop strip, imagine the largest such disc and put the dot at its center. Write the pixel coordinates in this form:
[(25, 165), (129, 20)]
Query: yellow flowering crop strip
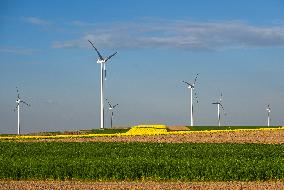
[(222, 131), (139, 130), (147, 130)]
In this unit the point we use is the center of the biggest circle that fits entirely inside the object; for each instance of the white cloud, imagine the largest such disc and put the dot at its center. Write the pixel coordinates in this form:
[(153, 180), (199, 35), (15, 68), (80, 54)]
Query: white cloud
[(81, 23), (19, 51), (187, 35), (50, 102), (36, 21)]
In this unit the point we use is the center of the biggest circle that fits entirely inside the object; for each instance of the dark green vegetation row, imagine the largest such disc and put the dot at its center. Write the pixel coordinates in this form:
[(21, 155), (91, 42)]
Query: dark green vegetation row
[(139, 161), (81, 132)]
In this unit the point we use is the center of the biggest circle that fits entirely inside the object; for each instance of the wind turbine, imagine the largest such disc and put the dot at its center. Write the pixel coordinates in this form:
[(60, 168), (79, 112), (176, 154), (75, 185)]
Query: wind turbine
[(102, 61), (191, 87), (111, 108), (18, 101), (268, 115), (219, 104)]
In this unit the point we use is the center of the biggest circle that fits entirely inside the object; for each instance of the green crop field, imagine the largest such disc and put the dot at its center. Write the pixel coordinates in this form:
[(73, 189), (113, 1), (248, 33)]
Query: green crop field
[(105, 131), (141, 161)]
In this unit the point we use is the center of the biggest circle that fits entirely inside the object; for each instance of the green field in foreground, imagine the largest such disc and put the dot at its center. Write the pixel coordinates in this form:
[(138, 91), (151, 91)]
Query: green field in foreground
[(203, 128), (141, 161)]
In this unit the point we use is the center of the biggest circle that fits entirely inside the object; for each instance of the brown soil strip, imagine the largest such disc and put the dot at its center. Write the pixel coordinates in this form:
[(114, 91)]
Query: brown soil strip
[(64, 185), (178, 128), (262, 137)]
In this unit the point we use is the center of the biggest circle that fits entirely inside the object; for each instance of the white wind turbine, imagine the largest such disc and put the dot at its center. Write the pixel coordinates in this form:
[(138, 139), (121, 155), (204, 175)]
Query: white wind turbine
[(111, 108), (18, 101), (219, 104), (268, 115), (102, 61), (191, 87)]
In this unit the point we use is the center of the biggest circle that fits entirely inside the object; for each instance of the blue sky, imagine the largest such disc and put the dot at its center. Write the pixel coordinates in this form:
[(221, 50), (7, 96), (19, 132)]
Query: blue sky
[(236, 46)]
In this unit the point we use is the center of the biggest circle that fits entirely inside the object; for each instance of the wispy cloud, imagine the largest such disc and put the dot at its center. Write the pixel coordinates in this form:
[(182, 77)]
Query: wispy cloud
[(50, 102), (78, 23), (36, 21), (186, 35), (19, 51)]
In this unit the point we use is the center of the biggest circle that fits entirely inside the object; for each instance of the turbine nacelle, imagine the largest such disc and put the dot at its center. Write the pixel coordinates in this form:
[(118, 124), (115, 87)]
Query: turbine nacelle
[(216, 103), (100, 61), (190, 86), (268, 108), (111, 107)]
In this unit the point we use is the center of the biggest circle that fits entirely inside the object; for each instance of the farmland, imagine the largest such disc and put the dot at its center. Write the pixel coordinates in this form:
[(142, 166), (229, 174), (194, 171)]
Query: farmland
[(141, 161), (159, 134), (145, 157)]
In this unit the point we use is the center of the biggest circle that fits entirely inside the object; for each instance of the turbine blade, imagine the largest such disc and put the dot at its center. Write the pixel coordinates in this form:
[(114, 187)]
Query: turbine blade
[(110, 56), (100, 56), (115, 105), (16, 108), (108, 103), (195, 79), (222, 107), (186, 83), (18, 93), (196, 97), (221, 97), (25, 103)]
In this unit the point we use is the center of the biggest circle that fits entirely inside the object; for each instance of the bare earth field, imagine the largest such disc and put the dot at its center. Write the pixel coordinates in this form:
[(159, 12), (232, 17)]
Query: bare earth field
[(261, 136), (64, 185)]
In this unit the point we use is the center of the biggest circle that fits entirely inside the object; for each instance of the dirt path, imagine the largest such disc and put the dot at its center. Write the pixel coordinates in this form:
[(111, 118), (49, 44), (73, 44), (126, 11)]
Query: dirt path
[(264, 137), (67, 185)]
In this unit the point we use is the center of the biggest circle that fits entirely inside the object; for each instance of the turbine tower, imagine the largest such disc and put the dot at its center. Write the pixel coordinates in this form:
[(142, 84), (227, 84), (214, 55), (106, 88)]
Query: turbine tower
[(18, 101), (102, 61), (268, 115), (219, 104), (111, 108), (191, 87)]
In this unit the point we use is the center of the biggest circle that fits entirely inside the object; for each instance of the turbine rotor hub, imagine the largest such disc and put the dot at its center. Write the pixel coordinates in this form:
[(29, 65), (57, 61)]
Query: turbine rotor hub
[(100, 61)]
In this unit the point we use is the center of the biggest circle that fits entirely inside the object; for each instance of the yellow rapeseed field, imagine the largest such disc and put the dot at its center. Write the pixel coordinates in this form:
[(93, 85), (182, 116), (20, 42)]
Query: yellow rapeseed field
[(147, 130)]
